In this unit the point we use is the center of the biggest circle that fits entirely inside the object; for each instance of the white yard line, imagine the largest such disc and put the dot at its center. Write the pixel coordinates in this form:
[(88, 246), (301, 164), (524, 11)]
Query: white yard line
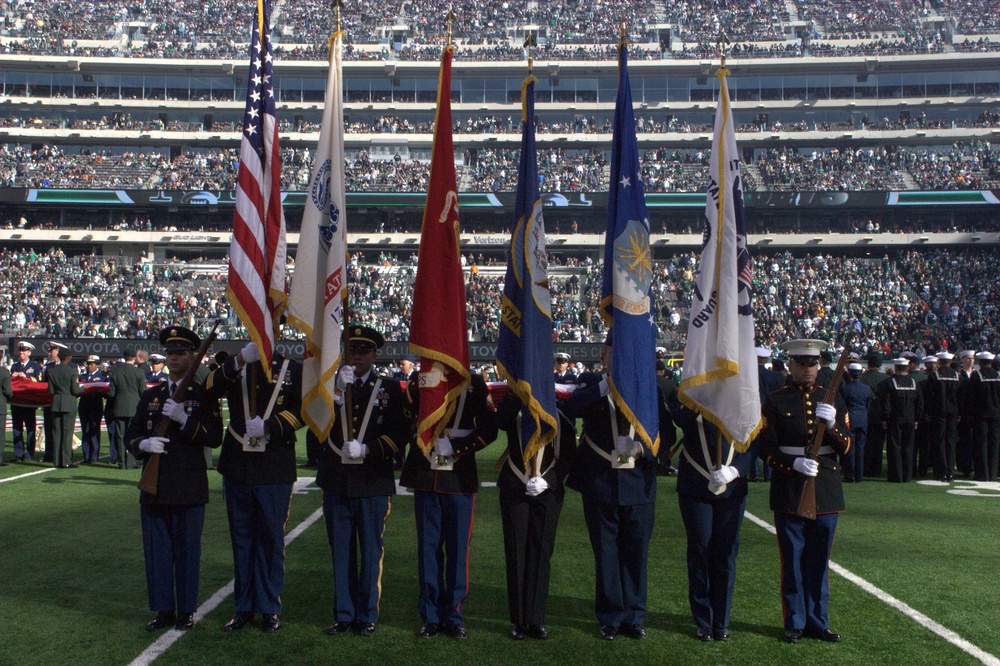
[(171, 636), (908, 611), (23, 476)]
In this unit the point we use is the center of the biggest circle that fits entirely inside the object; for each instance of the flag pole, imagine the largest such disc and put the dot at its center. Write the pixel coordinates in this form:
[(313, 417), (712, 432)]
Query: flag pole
[(723, 44)]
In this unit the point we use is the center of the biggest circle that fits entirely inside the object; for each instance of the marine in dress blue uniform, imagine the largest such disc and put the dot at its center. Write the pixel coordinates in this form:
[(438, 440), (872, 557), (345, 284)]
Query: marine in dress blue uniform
[(91, 411), (444, 505), (257, 464), (618, 504), (984, 393), (857, 396), (23, 418), (355, 473), (791, 418), (712, 498), (941, 405), (531, 499), (173, 518)]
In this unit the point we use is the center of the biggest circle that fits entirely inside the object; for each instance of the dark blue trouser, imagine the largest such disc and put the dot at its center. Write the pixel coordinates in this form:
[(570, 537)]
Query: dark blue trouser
[(353, 527), (713, 541), (23, 424), (945, 438), (854, 462), (171, 540), (90, 432), (444, 530), (619, 536), (805, 546), (257, 516)]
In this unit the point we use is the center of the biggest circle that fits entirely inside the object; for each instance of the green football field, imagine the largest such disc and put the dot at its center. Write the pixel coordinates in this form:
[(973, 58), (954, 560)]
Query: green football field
[(922, 560)]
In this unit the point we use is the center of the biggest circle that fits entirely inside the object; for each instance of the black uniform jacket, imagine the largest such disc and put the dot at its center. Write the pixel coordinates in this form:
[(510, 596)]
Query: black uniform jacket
[(183, 473), (385, 435), (790, 424), (276, 463), (478, 416), (554, 469)]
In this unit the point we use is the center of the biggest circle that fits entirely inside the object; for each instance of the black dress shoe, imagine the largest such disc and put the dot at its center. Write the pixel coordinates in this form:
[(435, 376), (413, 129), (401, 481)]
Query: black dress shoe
[(364, 628), (608, 632), (270, 622), (538, 631), (162, 620), (518, 633), (824, 635), (703, 634), (720, 634), (338, 629), (239, 621), (636, 631), (457, 631), (184, 622), (72, 466), (429, 630), (2, 464), (793, 635)]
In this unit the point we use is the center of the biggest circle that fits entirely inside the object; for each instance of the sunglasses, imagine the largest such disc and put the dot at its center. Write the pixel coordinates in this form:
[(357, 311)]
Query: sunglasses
[(807, 361)]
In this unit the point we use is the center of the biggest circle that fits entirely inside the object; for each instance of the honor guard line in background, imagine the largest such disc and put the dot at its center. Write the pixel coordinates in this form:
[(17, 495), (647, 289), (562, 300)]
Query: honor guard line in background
[(317, 301), (150, 480), (524, 346), (720, 362), (438, 327), (807, 505)]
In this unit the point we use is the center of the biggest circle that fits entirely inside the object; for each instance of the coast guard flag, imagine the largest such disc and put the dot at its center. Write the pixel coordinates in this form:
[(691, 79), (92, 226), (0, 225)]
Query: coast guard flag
[(720, 367), (625, 293), (524, 348), (256, 286), (438, 327), (315, 302)]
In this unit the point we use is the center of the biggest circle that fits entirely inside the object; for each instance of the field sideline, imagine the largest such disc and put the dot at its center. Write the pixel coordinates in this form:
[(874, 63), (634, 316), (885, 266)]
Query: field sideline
[(74, 586)]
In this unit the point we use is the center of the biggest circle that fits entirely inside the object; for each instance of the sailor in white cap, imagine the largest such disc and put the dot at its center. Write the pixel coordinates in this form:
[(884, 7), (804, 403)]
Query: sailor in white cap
[(902, 408), (941, 414), (984, 393), (858, 397), (157, 373), (563, 371), (91, 410), (23, 418), (966, 414), (791, 416)]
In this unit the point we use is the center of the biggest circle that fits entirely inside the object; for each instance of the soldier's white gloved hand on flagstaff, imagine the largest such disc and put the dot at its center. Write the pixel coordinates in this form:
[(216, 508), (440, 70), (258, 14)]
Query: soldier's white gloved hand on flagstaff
[(827, 413), (626, 446), (175, 411), (153, 444), (806, 466), (443, 447), (536, 486), (345, 377), (355, 449), (250, 353), (727, 474), (605, 387), (255, 427)]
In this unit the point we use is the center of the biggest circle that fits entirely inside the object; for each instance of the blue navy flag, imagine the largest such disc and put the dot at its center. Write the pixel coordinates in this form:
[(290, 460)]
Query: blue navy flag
[(625, 293), (524, 348)]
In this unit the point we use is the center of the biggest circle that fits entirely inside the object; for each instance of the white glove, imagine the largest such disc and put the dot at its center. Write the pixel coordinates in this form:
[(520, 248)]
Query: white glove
[(443, 447), (605, 387), (355, 449), (255, 427), (806, 466), (345, 377), (727, 474), (536, 486), (175, 411), (250, 353), (827, 413), (153, 444), (626, 446)]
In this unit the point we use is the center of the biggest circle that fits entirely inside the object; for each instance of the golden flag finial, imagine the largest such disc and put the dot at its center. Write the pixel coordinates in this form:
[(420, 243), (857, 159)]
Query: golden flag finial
[(723, 43), (530, 43), (623, 33), (450, 20)]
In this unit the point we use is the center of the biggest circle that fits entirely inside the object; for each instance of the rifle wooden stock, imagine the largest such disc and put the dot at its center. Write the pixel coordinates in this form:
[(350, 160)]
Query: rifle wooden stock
[(150, 479), (807, 503)]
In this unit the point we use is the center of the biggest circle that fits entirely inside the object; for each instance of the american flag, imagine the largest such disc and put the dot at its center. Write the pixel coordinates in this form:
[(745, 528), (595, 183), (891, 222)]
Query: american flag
[(256, 289)]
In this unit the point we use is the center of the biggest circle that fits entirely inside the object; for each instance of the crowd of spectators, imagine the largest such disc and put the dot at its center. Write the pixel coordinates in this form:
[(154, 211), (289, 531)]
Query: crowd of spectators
[(852, 169), (935, 298)]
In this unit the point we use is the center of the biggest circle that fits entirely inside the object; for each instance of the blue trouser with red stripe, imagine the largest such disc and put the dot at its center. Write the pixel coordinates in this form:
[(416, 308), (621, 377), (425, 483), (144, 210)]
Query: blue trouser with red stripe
[(805, 547), (444, 530)]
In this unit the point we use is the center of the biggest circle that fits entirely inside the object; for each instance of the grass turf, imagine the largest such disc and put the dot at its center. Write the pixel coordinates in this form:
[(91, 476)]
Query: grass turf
[(74, 585)]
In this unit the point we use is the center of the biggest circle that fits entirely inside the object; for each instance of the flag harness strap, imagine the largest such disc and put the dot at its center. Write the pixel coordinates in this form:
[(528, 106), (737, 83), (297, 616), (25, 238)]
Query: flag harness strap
[(612, 415), (704, 451), (243, 439), (521, 475), (446, 464), (364, 426)]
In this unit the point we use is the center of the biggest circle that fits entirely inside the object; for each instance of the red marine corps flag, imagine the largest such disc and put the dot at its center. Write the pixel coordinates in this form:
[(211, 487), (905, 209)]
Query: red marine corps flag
[(256, 288), (438, 329)]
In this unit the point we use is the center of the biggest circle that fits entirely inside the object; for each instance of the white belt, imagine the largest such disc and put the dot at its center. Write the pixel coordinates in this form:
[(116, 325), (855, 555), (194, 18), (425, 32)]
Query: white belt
[(801, 450)]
